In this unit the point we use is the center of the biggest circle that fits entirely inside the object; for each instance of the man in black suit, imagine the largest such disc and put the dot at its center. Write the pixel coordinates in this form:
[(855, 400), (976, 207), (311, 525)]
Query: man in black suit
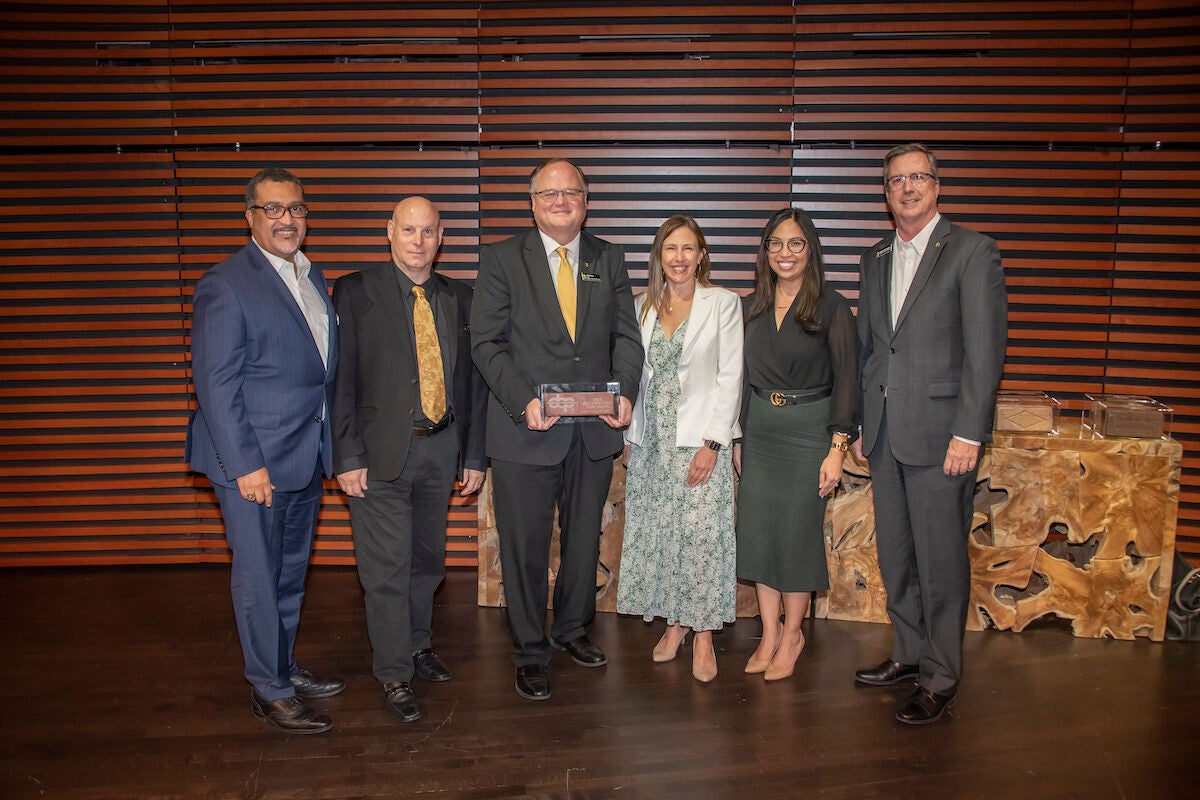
[(932, 323), (552, 305), (408, 419)]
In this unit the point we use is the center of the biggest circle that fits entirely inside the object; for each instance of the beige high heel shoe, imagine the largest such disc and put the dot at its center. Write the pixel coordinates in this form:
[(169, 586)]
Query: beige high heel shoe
[(756, 666), (783, 668), (664, 652), (705, 673)]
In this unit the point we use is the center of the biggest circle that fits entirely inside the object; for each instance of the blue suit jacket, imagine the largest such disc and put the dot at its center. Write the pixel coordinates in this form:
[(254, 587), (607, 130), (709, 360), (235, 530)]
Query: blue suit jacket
[(263, 395)]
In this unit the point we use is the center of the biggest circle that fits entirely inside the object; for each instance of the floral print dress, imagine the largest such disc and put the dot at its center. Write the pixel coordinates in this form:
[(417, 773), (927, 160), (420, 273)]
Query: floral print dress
[(678, 557)]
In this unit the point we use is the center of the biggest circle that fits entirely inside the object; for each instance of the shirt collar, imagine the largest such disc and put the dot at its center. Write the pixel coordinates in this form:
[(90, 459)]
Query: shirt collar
[(282, 265), (921, 240), (407, 283), (550, 246)]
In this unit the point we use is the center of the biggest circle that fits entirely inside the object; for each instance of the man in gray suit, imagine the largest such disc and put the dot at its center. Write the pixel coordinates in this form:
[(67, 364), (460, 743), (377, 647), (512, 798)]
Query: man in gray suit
[(552, 305), (932, 327)]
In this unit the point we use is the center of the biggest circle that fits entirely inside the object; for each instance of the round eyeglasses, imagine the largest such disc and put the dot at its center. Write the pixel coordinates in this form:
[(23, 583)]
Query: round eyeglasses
[(275, 211), (796, 246)]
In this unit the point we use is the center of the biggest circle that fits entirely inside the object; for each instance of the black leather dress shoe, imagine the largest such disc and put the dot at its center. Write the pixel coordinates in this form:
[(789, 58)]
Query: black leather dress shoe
[(533, 682), (311, 686), (583, 651), (430, 667), (886, 673), (400, 702), (289, 714), (924, 706)]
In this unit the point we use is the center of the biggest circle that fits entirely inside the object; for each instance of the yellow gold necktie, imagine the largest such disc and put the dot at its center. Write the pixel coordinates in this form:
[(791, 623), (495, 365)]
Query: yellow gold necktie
[(566, 291), (429, 359)]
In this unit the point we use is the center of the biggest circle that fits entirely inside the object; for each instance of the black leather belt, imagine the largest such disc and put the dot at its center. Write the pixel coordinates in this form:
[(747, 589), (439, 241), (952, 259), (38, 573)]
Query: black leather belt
[(430, 430), (784, 397)]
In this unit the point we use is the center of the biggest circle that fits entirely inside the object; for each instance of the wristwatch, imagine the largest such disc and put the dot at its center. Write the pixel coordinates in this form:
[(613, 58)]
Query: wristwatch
[(843, 445), (711, 445)]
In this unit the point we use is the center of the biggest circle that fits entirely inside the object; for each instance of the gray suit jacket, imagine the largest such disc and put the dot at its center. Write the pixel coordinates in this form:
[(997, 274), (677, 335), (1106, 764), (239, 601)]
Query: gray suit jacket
[(940, 367), (519, 340)]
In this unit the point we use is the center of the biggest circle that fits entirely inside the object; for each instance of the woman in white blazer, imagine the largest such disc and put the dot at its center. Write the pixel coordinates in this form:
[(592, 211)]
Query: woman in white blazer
[(678, 558)]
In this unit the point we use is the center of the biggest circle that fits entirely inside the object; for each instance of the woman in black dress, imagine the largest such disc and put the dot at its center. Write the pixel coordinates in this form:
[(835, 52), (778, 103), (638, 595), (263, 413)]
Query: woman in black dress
[(799, 412)]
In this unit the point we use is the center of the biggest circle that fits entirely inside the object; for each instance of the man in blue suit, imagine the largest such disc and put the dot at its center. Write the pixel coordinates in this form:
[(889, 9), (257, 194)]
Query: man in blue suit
[(264, 355)]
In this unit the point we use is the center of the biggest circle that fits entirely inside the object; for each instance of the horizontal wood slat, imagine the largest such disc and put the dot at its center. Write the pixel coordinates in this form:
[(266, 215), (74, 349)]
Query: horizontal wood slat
[(701, 72), (887, 72)]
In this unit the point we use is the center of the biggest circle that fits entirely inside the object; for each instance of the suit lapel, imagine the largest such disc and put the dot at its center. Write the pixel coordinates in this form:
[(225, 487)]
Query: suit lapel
[(589, 255), (384, 289), (933, 251), (543, 285), (449, 307), (275, 286), (702, 305), (883, 274)]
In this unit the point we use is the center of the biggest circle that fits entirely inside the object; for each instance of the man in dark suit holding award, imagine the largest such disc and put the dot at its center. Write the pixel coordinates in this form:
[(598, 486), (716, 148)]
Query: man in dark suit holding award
[(264, 355), (552, 306), (408, 419), (932, 323)]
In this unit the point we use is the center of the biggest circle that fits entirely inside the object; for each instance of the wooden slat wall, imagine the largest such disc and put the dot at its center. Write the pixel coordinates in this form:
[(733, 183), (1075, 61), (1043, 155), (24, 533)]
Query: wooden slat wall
[(93, 402), (84, 73), (1155, 329), (1067, 132), (343, 73), (703, 71)]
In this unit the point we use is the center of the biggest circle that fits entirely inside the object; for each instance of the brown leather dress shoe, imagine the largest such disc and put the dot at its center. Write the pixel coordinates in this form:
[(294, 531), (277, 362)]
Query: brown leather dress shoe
[(924, 707), (311, 686), (400, 702), (430, 667), (583, 651), (289, 714), (886, 672)]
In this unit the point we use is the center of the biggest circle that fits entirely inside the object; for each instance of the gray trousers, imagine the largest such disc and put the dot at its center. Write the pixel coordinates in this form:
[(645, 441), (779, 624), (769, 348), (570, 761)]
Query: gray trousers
[(922, 520)]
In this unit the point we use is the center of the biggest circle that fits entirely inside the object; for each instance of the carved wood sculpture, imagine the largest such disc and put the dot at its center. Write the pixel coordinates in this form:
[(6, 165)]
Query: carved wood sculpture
[(1074, 528)]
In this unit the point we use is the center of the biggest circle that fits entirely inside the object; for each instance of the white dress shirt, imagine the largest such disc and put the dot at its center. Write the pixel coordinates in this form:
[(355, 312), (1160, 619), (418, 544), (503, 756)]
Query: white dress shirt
[(316, 313)]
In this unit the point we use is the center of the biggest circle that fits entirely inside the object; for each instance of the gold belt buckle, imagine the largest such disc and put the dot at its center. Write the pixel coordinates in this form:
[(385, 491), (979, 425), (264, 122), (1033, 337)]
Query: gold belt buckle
[(777, 399)]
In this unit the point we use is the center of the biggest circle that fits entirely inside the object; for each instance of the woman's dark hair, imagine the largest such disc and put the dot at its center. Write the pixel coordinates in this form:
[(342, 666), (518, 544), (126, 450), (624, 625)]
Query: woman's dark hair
[(812, 280)]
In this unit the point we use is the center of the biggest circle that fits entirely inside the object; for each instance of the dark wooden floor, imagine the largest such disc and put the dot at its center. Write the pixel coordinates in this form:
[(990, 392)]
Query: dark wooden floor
[(125, 684)]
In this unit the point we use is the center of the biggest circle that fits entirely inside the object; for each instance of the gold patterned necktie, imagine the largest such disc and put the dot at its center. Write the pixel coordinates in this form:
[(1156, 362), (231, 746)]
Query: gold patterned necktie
[(429, 358), (566, 291)]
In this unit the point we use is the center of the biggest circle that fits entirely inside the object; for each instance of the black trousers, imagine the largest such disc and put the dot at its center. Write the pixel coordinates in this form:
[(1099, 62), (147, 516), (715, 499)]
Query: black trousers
[(399, 531), (524, 498)]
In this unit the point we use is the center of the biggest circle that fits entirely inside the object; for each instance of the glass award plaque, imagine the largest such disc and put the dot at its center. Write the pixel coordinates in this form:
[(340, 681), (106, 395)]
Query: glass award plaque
[(580, 399)]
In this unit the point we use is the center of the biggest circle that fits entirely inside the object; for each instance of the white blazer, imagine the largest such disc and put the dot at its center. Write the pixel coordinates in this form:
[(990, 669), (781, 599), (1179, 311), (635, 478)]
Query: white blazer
[(710, 370)]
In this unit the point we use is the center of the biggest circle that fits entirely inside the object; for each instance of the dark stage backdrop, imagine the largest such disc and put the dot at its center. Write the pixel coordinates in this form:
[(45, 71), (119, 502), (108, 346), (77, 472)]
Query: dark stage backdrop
[(1067, 131)]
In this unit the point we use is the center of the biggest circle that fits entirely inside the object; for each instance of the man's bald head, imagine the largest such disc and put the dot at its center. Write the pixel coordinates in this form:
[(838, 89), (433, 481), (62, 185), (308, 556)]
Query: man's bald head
[(415, 231)]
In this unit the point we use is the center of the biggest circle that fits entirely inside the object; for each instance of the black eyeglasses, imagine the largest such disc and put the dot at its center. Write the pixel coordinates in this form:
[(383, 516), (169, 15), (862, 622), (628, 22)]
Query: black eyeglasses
[(916, 179), (550, 195), (795, 246), (275, 211)]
